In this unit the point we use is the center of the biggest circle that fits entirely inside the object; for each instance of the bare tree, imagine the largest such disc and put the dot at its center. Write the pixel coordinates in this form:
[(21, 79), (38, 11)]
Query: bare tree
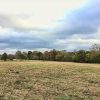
[(95, 47)]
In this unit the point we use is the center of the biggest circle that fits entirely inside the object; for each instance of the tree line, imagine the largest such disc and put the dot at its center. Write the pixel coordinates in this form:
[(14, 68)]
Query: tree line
[(82, 56)]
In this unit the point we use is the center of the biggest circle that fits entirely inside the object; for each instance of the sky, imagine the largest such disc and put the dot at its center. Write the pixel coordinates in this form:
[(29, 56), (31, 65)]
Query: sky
[(48, 24)]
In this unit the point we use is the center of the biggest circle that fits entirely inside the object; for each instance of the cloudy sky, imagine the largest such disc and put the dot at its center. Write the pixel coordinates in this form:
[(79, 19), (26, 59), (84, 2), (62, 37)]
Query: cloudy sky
[(47, 24)]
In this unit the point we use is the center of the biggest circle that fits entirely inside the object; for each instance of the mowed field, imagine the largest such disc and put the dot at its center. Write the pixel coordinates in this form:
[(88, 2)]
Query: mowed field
[(45, 80)]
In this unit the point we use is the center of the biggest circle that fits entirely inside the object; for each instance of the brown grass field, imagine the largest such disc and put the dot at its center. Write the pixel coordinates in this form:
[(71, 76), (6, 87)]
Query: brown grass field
[(45, 80)]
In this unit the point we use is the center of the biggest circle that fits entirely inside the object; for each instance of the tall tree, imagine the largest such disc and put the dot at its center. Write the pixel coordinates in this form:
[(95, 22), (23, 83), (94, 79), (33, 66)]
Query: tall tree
[(53, 54), (19, 55), (29, 55), (4, 56), (39, 54)]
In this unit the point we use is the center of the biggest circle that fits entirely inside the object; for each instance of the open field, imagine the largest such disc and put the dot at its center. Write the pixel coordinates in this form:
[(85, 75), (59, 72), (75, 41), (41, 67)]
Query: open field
[(42, 80)]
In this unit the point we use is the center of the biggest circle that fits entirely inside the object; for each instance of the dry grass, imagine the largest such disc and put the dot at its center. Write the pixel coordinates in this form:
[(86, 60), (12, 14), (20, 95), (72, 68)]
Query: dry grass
[(41, 80)]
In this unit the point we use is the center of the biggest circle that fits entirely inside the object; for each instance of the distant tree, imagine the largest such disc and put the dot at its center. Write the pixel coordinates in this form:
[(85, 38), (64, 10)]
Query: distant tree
[(39, 54), (19, 55), (61, 55), (95, 47), (75, 57), (98, 56), (53, 54), (29, 55), (0, 56), (34, 55), (4, 56), (68, 56), (25, 55), (46, 55), (93, 57), (11, 56), (79, 56)]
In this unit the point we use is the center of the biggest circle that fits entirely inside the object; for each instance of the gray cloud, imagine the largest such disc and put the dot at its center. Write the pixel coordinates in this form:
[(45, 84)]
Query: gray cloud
[(81, 21)]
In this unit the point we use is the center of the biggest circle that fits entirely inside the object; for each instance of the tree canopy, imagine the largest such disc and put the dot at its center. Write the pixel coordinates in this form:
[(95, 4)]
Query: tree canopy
[(91, 56)]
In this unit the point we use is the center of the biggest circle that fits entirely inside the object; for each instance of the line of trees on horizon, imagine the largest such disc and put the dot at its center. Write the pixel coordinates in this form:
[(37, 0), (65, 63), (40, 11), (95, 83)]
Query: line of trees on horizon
[(82, 56)]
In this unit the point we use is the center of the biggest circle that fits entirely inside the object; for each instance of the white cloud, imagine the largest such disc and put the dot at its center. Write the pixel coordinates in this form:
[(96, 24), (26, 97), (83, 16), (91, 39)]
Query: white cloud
[(38, 6), (37, 13)]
